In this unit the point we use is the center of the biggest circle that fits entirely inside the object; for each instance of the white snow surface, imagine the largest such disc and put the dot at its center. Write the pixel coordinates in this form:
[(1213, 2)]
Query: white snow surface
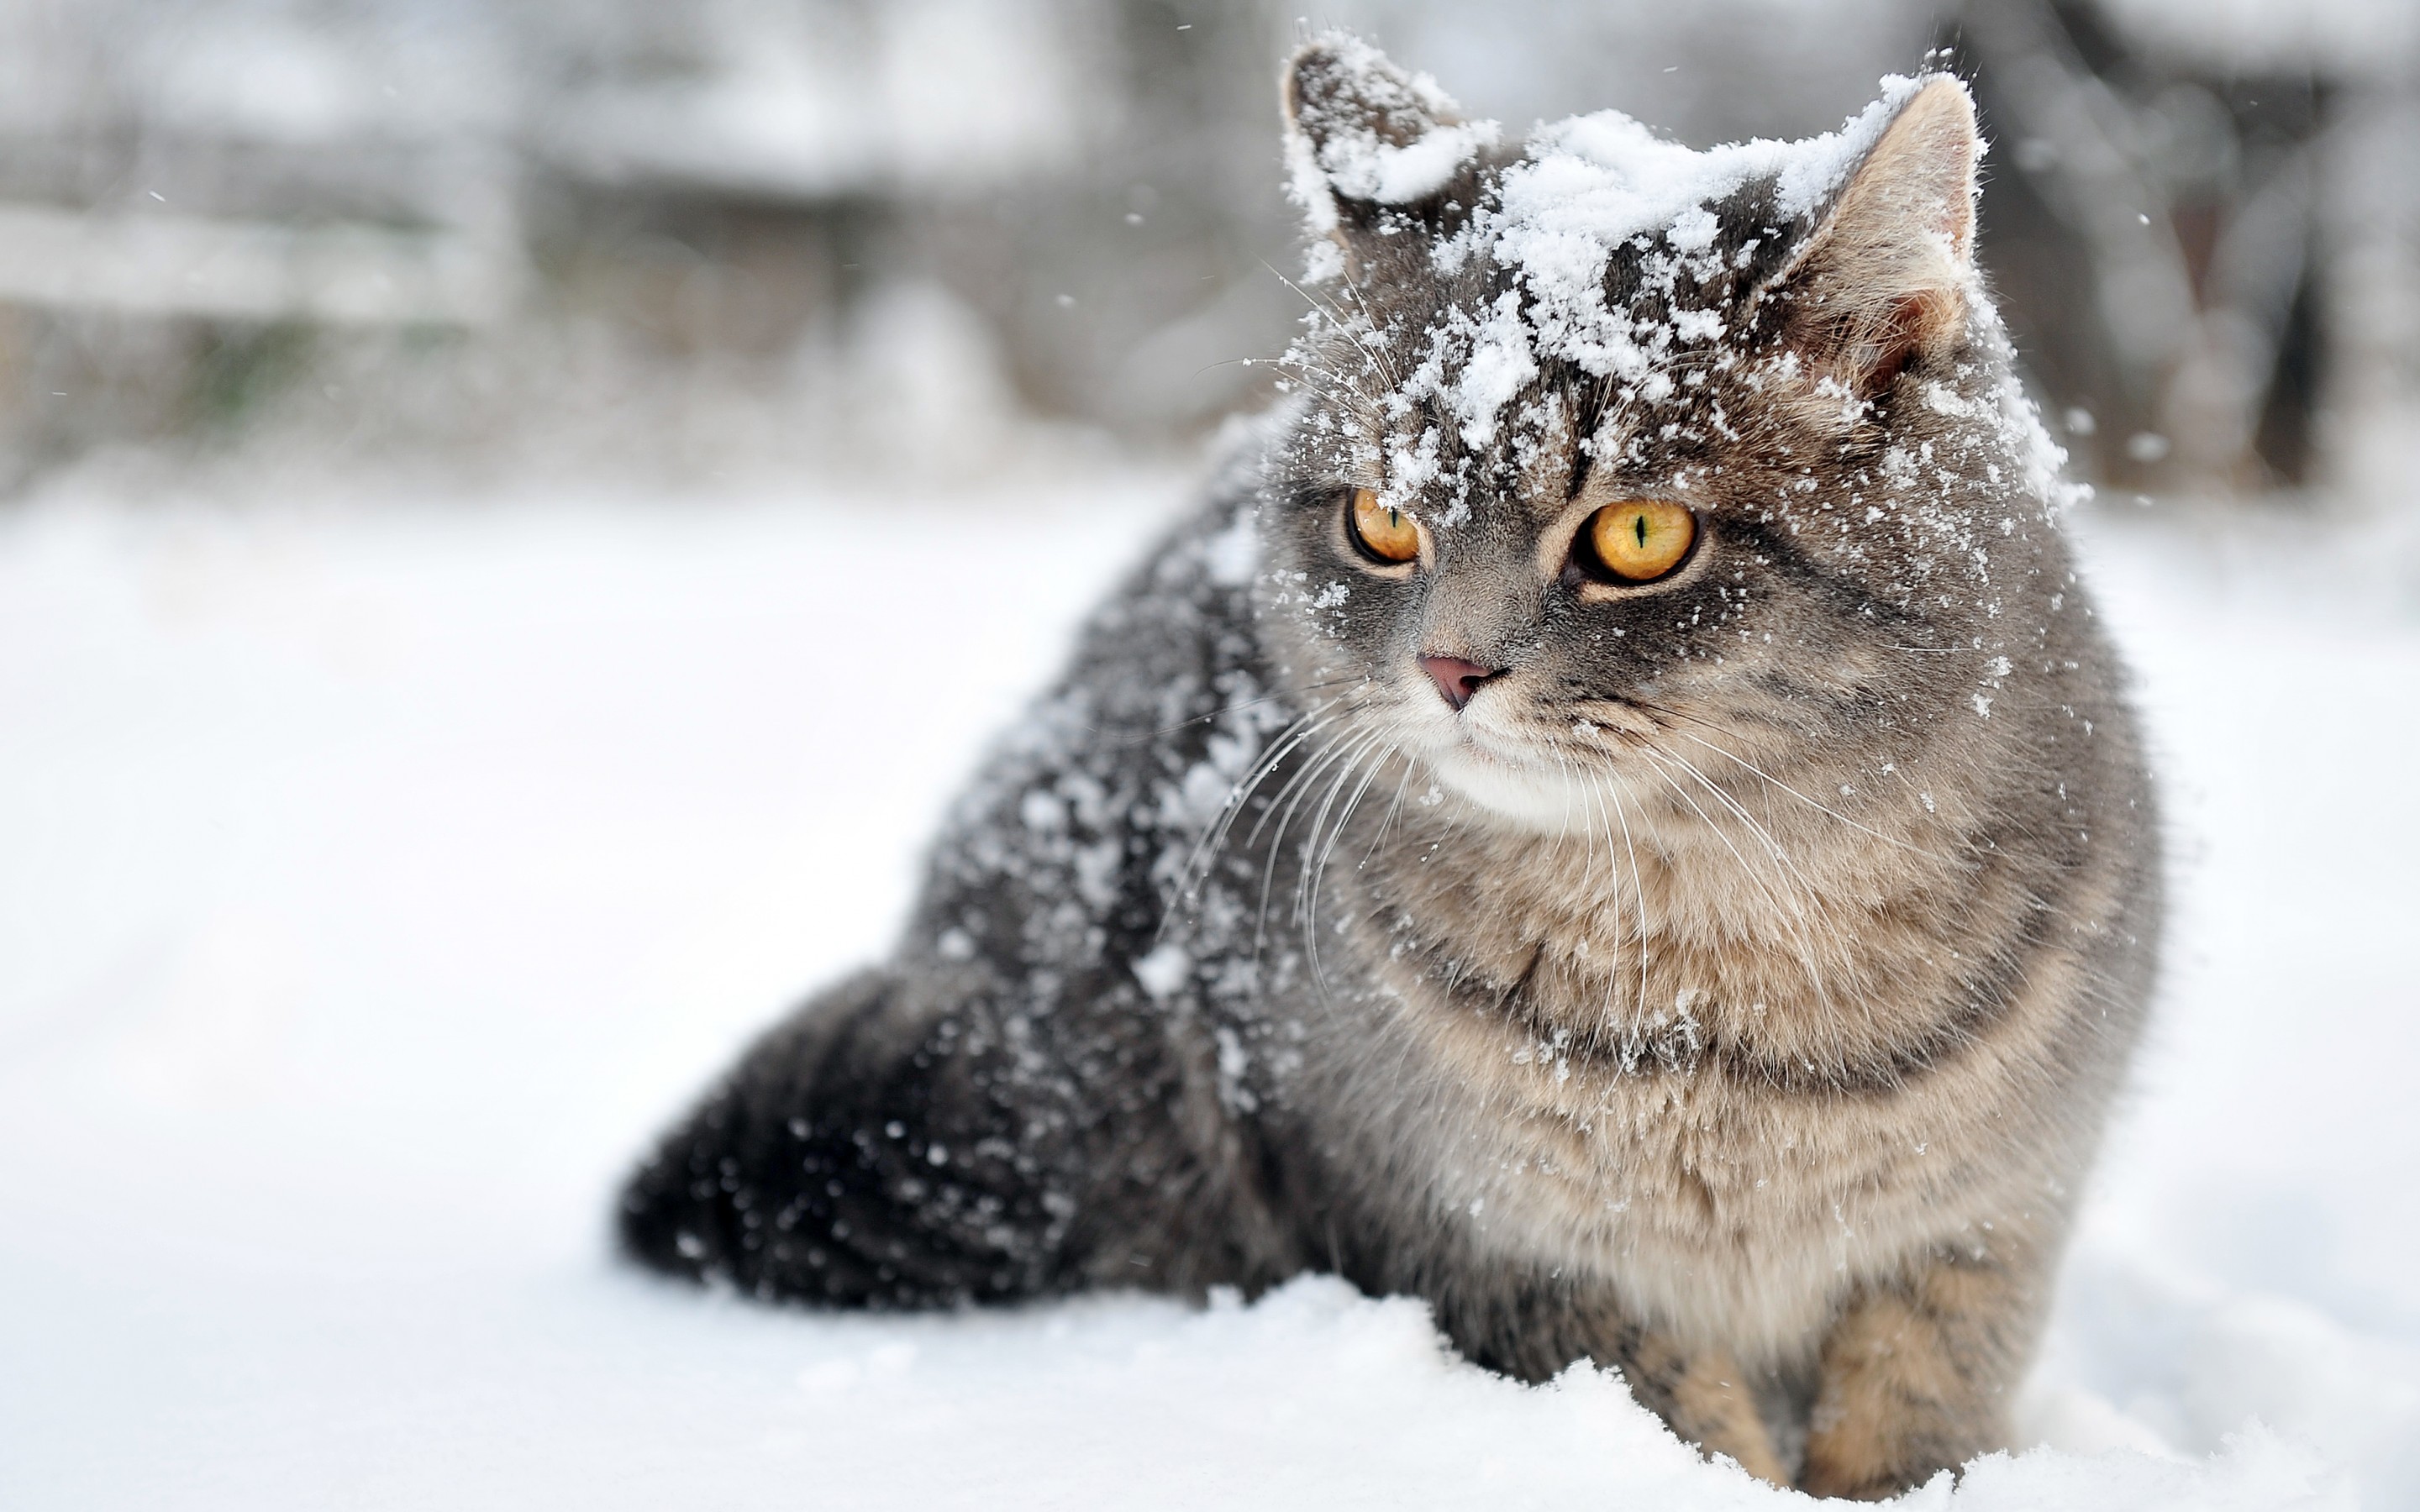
[(379, 878)]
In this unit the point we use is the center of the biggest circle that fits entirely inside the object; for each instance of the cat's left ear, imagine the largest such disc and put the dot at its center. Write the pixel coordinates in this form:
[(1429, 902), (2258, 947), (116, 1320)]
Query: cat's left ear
[(1885, 278), (1374, 152)]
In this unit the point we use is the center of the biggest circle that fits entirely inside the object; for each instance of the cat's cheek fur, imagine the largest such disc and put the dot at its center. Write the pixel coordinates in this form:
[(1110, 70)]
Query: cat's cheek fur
[(1501, 783)]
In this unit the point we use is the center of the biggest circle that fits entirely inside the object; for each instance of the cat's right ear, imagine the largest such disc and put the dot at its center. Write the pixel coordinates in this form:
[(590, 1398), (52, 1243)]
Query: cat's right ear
[(1374, 152), (1888, 276)]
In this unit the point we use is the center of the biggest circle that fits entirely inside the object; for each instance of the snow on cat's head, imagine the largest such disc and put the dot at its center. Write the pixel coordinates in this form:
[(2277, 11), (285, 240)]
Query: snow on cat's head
[(1595, 438)]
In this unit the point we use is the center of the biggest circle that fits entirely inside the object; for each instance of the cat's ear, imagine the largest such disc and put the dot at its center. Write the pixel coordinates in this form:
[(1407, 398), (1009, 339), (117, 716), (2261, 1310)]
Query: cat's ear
[(1884, 279), (1374, 152)]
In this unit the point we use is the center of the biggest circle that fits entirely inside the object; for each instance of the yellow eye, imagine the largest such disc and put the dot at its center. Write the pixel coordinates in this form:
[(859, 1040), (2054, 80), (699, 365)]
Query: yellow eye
[(1382, 529), (1641, 539)]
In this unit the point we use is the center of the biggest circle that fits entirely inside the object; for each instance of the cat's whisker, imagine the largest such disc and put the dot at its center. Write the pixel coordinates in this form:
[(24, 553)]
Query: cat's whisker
[(1816, 804), (1617, 820), (1296, 368), (1293, 784), (1346, 394), (1731, 802), (1603, 819), (1596, 1031), (1803, 884), (1288, 798), (1344, 323), (1342, 773), (1638, 886), (1286, 740), (1842, 1045), (1233, 361), (1388, 821), (1377, 354), (1789, 904), (1205, 850), (1801, 893), (1319, 870), (1587, 821), (1311, 859), (1350, 381), (1353, 403), (1556, 749)]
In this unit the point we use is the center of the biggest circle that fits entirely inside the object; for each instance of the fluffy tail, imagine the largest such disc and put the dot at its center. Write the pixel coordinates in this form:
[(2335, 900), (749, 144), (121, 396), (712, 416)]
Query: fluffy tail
[(854, 1157)]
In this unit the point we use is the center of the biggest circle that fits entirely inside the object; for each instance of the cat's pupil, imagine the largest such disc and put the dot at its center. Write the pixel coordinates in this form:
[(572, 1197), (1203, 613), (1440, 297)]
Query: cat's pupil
[(1638, 524)]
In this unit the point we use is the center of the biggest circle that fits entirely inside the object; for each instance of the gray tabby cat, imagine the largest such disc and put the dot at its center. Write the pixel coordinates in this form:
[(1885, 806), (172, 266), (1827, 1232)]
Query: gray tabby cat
[(1616, 818)]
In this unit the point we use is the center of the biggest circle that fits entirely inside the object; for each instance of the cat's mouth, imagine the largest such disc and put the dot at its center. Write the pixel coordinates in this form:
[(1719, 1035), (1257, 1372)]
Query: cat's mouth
[(1513, 777)]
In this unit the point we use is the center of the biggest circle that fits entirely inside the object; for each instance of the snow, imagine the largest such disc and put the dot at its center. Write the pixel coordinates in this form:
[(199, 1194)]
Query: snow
[(379, 875), (1594, 181), (1353, 159), (1581, 190)]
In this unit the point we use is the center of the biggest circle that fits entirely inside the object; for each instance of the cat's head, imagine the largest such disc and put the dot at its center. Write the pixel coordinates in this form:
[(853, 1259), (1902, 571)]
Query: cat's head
[(1598, 445)]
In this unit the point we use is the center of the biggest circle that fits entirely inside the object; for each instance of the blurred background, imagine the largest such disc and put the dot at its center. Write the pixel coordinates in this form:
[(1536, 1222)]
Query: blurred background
[(751, 234)]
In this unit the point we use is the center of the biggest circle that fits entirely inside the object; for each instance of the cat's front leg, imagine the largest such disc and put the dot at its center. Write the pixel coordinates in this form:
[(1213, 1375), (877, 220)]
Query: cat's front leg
[(1917, 1373), (1707, 1399), (1533, 1328)]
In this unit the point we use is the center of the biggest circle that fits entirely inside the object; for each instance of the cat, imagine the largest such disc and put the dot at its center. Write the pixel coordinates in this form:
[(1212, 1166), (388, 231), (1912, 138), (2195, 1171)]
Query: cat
[(1616, 817)]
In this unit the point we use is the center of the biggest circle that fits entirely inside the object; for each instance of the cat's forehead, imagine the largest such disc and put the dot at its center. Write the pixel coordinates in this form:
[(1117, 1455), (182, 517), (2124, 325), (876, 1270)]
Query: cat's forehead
[(1560, 443), (1478, 414), (1605, 276)]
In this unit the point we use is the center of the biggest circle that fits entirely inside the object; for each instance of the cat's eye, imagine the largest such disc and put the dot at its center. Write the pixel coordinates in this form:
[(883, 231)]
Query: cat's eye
[(1383, 531), (1637, 540)]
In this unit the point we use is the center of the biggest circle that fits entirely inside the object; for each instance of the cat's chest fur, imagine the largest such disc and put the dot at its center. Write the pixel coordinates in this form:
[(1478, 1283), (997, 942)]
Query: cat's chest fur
[(1802, 1077)]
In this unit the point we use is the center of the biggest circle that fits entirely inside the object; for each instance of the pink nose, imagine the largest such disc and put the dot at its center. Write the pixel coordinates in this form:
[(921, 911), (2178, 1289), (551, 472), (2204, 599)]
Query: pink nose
[(1455, 678)]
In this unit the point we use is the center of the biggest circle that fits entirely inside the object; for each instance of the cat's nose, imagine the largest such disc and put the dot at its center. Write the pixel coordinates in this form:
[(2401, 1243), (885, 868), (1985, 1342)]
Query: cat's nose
[(1455, 678)]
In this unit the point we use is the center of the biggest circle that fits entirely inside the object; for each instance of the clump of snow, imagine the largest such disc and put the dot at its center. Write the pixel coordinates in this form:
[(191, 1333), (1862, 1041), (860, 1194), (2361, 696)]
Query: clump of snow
[(1590, 183), (1582, 188), (1336, 147), (1363, 168), (1164, 971)]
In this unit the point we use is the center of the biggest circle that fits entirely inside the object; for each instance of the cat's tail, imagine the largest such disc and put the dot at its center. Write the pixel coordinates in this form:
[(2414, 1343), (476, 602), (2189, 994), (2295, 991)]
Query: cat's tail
[(852, 1158)]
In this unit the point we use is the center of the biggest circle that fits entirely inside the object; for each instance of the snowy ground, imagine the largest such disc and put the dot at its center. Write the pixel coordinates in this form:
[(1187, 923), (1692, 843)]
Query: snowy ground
[(372, 882)]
